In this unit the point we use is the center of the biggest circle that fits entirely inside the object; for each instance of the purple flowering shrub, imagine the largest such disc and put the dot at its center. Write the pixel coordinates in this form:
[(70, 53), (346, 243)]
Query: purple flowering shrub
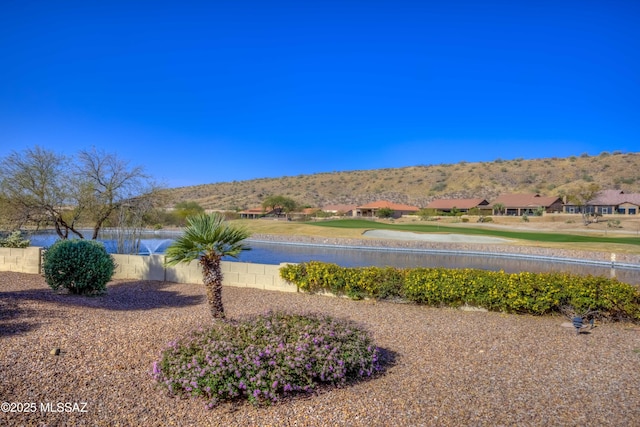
[(266, 357)]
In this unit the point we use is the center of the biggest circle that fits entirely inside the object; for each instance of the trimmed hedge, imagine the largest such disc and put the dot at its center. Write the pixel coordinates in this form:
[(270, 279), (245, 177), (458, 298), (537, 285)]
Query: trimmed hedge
[(531, 293)]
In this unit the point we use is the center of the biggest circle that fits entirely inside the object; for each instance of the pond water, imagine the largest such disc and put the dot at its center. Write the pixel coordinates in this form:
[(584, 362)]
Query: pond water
[(276, 253)]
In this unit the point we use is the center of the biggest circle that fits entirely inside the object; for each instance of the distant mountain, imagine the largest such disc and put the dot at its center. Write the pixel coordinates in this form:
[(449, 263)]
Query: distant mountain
[(418, 185)]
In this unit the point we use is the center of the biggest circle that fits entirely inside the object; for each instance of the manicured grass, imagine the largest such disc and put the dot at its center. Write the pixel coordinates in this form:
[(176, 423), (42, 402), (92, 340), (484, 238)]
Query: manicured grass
[(522, 235)]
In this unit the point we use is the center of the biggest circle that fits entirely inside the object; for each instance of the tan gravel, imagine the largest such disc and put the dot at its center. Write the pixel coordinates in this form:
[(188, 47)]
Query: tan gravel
[(446, 367)]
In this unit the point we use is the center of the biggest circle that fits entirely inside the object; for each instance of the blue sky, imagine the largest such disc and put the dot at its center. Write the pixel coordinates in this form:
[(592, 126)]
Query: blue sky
[(204, 92)]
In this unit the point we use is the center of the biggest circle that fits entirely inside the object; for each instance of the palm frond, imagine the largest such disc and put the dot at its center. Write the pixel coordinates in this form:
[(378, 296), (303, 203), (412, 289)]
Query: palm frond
[(207, 235)]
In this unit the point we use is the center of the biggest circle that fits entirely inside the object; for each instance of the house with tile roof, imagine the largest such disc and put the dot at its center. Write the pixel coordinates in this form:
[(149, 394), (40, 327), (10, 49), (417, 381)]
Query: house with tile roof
[(608, 202), (371, 209), (526, 204), (459, 205), (255, 213), (304, 214), (340, 210)]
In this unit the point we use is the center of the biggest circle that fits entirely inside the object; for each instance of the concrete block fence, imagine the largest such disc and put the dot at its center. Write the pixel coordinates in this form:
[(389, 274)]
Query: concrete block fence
[(137, 267), (28, 260)]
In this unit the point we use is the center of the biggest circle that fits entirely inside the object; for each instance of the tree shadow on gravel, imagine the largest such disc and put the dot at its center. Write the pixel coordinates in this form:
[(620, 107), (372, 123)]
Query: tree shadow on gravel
[(121, 296), (15, 320)]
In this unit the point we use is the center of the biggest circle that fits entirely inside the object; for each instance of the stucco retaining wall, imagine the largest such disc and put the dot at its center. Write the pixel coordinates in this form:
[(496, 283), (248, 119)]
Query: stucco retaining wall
[(137, 267)]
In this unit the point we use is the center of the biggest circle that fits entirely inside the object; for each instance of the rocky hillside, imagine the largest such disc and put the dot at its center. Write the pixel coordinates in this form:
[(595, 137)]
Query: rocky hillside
[(418, 185)]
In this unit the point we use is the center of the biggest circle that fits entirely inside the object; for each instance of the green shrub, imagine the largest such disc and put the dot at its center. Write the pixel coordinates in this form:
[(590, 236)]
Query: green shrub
[(14, 240), (385, 213), (532, 293), (264, 358), (80, 266), (426, 214), (356, 283)]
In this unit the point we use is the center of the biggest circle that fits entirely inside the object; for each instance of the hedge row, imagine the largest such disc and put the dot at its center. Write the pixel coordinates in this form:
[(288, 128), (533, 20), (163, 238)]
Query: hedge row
[(533, 293)]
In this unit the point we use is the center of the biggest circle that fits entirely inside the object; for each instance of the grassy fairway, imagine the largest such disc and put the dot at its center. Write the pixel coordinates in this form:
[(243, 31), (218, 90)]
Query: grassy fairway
[(354, 229), (518, 235)]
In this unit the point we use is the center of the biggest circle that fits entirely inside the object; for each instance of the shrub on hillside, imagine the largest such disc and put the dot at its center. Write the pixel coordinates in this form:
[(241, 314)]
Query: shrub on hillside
[(80, 266), (264, 358)]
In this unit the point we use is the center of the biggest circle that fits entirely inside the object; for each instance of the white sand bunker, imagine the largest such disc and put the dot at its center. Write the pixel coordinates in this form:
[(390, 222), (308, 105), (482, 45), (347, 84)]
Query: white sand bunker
[(432, 237)]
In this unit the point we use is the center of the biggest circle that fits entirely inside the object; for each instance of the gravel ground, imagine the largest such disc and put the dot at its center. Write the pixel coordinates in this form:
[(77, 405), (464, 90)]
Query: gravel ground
[(444, 367)]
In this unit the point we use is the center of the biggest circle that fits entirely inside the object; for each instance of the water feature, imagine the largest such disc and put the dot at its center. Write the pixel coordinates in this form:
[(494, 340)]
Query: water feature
[(276, 253), (154, 246)]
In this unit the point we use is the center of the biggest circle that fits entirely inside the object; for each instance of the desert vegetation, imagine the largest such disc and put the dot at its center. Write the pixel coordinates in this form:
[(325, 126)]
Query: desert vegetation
[(418, 185), (78, 266), (93, 188), (207, 238), (265, 358)]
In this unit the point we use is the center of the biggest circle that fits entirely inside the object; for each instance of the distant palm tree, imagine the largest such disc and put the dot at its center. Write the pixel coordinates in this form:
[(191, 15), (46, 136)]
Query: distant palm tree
[(208, 238)]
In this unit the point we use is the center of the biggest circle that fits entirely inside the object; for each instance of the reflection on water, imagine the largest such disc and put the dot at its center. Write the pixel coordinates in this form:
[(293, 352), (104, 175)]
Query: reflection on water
[(276, 253)]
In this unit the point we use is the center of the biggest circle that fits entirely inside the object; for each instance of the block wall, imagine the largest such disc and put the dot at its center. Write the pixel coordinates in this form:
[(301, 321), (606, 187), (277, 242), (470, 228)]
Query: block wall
[(136, 267), (27, 260)]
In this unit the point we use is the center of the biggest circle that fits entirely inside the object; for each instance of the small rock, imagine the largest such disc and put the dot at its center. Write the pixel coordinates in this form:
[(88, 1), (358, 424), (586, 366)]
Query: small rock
[(55, 352)]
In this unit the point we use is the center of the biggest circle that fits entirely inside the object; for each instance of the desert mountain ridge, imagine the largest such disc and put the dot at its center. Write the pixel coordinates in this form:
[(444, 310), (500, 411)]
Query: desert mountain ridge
[(418, 185)]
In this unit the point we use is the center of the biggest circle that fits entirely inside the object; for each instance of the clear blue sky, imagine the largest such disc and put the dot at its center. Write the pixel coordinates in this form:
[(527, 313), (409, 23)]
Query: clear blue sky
[(215, 91)]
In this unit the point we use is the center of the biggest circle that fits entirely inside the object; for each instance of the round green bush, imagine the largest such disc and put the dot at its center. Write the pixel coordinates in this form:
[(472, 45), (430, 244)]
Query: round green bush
[(80, 266)]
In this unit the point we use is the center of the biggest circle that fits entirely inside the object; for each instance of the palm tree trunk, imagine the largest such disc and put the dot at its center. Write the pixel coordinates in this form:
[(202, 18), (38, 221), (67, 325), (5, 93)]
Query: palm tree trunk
[(212, 277)]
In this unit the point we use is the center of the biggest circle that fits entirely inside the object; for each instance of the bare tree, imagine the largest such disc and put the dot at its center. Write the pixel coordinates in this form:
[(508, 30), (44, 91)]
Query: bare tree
[(36, 187), (107, 182), (42, 187), (129, 221)]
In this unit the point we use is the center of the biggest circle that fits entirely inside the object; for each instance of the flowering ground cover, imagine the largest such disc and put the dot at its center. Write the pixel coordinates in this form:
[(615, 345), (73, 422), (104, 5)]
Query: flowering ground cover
[(263, 358)]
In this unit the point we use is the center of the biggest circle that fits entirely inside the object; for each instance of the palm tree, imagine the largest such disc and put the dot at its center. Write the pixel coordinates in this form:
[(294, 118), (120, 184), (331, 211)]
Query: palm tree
[(208, 238)]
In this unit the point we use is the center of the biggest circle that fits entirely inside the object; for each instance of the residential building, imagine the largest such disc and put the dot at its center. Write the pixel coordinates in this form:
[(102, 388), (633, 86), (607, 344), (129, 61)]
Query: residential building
[(526, 204), (371, 209), (255, 213), (340, 210), (460, 205), (608, 202)]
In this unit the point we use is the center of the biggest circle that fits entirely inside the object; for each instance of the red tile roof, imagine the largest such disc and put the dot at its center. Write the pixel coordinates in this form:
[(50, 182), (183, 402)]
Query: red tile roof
[(339, 208), (525, 200), (456, 203), (254, 210), (386, 204), (309, 211)]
